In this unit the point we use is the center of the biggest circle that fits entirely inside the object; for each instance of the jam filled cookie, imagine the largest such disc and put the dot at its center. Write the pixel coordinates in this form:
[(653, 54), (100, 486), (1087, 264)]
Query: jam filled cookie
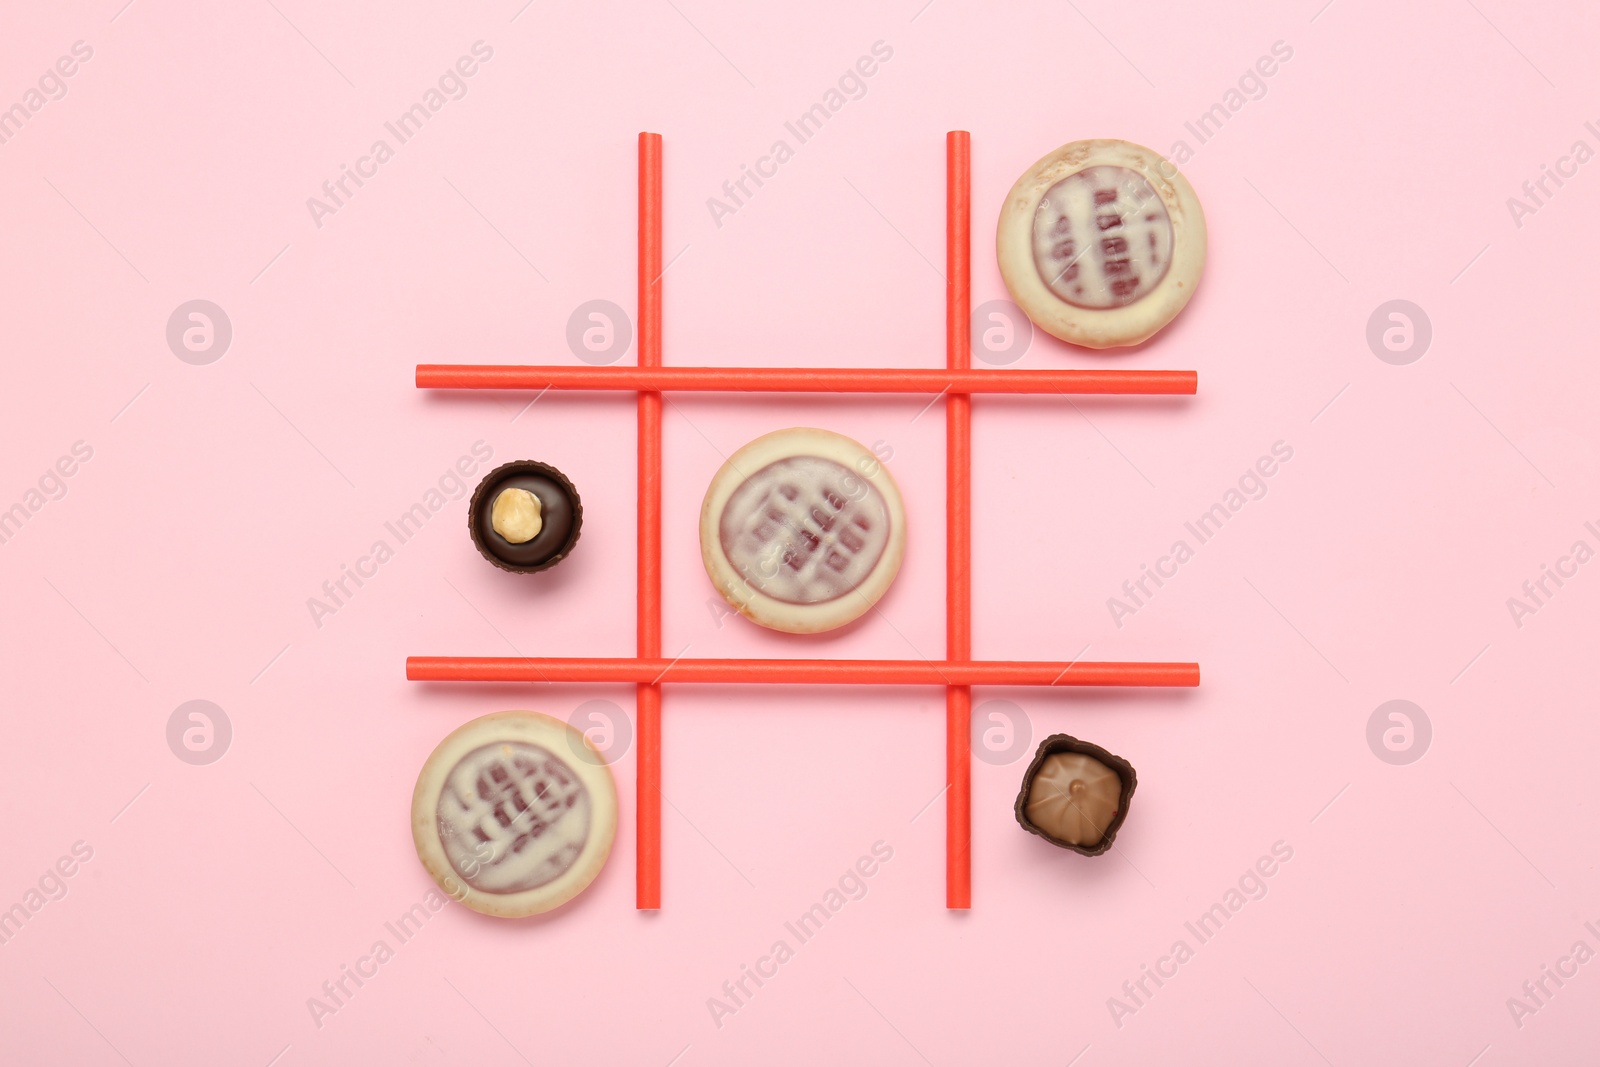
[(514, 814), (802, 530), (1101, 243)]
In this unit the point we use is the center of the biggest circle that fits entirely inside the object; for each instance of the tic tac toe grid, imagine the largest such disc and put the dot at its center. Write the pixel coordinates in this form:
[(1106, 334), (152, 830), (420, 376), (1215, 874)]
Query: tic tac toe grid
[(958, 672)]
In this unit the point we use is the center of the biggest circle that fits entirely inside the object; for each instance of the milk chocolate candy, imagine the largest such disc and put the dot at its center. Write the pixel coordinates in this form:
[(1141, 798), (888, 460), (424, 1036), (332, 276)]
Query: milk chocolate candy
[(508, 817), (1075, 794), (802, 530), (1101, 243), (518, 534)]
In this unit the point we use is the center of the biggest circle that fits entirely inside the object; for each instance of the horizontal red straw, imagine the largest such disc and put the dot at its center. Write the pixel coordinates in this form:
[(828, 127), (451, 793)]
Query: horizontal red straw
[(799, 671), (801, 380)]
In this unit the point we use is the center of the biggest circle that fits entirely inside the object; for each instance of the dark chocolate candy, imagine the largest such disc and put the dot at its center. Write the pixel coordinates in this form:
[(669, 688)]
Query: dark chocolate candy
[(560, 511)]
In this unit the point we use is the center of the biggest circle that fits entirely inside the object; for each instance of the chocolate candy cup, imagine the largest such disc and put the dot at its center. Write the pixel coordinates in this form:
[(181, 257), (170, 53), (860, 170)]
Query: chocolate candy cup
[(1066, 743), (560, 510)]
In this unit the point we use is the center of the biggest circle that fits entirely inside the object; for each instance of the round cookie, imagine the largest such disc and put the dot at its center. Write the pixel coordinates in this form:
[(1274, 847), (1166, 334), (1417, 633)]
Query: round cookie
[(514, 814), (802, 530), (1101, 243)]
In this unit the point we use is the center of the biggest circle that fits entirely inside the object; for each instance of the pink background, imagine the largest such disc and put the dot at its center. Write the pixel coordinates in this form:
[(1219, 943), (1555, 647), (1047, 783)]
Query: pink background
[(219, 498)]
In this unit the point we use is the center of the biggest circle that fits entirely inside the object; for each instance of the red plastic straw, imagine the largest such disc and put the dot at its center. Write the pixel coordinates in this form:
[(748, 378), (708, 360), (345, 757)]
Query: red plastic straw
[(802, 380), (958, 533), (648, 858), (656, 671)]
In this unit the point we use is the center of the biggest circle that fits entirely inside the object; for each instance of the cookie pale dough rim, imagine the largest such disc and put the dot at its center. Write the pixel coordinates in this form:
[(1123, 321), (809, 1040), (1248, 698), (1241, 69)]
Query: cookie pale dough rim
[(1067, 743), (529, 727), (781, 615), (1101, 328), (504, 473)]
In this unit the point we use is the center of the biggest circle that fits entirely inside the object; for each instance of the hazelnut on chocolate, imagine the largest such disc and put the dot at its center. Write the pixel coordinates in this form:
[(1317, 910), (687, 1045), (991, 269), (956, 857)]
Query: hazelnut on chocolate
[(516, 515)]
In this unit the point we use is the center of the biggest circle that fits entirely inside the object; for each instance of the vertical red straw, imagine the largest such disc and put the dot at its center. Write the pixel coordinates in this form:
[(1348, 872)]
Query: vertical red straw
[(958, 501), (648, 893)]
